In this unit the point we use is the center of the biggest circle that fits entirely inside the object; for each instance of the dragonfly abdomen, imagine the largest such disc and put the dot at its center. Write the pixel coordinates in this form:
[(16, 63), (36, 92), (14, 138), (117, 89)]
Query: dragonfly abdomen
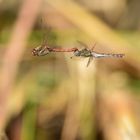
[(117, 55), (100, 55)]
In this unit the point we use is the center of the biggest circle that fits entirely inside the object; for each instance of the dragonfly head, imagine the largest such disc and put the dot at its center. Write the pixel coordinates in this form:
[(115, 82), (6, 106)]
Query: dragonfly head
[(35, 52)]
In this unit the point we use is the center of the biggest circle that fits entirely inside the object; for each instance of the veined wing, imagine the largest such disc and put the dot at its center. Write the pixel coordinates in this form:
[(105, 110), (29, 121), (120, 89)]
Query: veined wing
[(82, 44)]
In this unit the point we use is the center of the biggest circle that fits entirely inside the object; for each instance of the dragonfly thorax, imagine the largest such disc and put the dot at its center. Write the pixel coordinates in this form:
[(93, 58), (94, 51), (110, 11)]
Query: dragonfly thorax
[(40, 51), (84, 53)]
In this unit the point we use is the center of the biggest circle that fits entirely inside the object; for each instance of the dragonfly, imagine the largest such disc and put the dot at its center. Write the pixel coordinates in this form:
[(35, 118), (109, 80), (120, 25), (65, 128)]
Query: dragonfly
[(45, 49), (90, 53)]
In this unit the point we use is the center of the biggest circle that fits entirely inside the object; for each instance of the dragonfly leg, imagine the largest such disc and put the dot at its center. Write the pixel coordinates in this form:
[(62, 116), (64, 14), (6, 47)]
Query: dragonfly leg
[(89, 61)]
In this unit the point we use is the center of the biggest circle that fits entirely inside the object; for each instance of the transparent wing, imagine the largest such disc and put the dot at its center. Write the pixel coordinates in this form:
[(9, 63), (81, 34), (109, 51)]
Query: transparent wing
[(82, 43), (45, 31), (93, 46)]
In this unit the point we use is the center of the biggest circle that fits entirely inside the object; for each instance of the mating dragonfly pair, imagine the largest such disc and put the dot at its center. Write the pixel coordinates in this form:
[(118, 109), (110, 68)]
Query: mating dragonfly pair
[(46, 49)]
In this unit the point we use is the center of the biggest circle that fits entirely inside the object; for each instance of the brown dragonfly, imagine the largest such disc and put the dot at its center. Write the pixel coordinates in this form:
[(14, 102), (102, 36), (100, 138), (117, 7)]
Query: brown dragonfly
[(85, 52)]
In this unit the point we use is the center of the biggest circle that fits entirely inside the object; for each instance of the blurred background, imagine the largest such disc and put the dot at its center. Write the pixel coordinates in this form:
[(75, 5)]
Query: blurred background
[(54, 97)]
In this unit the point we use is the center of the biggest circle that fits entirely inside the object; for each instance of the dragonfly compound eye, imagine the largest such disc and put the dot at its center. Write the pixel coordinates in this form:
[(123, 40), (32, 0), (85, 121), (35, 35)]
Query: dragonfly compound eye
[(34, 52)]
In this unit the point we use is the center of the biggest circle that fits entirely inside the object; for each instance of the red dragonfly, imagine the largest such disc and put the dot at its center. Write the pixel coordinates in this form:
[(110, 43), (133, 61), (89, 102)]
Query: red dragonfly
[(44, 50)]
